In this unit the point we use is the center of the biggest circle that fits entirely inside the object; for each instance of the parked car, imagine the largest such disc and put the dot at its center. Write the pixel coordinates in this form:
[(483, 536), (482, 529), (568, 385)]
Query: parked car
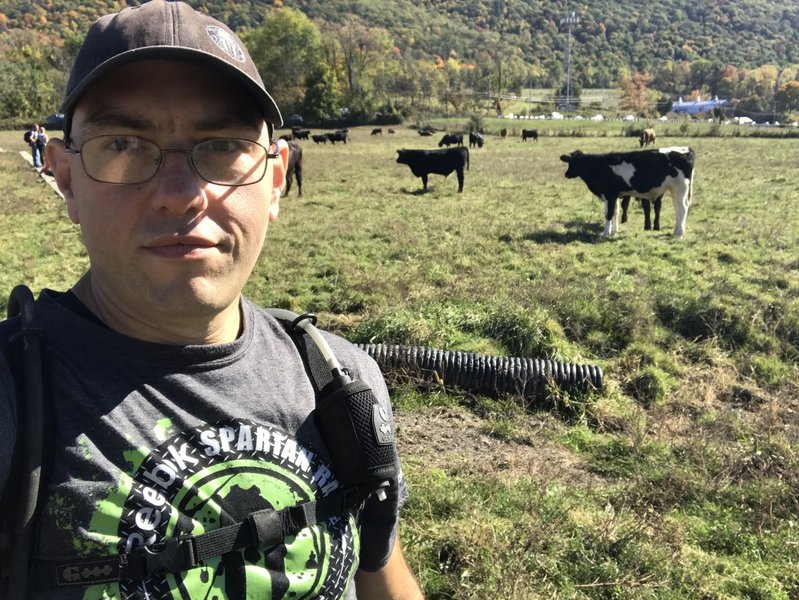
[(54, 122), (293, 121)]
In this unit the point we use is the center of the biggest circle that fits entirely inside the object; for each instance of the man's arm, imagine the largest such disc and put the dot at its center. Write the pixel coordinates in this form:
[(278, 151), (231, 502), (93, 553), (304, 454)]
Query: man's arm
[(393, 582)]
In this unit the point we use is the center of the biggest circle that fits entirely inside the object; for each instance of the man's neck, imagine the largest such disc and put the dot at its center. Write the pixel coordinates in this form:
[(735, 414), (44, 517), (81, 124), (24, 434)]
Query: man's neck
[(182, 329)]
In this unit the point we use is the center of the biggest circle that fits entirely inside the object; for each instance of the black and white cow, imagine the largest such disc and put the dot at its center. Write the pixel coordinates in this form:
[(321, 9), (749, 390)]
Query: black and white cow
[(646, 205), (439, 162), (642, 174)]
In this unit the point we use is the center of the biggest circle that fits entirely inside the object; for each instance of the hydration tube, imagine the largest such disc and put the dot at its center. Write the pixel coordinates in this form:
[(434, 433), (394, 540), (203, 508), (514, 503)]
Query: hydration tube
[(307, 322)]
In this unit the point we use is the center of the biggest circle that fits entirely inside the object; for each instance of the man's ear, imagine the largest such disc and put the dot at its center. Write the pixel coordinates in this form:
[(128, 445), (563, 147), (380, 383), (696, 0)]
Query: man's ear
[(58, 160), (279, 177), (281, 165)]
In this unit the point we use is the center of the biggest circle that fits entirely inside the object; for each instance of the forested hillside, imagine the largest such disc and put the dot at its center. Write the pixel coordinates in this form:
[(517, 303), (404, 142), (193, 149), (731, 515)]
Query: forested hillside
[(682, 46)]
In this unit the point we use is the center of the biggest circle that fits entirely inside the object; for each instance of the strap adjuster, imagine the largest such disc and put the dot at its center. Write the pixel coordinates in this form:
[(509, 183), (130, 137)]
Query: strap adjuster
[(171, 556)]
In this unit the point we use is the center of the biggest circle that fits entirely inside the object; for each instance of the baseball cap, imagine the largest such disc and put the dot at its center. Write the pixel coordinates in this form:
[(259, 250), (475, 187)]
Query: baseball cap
[(164, 29)]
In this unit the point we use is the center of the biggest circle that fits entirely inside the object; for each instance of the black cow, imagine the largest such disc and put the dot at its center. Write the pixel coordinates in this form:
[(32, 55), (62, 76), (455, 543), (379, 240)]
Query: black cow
[(530, 133), (377, 131), (427, 131), (300, 134), (647, 206), (319, 139), (439, 162), (450, 139), (338, 136), (294, 167), (643, 174), (476, 139)]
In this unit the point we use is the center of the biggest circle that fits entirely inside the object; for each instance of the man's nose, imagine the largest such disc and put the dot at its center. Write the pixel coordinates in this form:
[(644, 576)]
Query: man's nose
[(179, 187)]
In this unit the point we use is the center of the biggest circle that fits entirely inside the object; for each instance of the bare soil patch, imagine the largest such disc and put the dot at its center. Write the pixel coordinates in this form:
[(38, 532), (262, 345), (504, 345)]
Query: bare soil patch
[(457, 439)]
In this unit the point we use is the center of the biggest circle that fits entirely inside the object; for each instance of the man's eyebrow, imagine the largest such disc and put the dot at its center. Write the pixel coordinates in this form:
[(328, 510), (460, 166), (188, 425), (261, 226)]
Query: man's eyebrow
[(222, 122), (121, 120)]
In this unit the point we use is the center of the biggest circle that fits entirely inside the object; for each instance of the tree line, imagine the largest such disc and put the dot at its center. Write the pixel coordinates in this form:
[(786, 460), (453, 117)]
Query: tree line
[(338, 66)]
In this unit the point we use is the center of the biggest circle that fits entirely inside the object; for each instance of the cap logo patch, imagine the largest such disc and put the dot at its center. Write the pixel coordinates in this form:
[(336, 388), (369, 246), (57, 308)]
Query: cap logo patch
[(226, 42)]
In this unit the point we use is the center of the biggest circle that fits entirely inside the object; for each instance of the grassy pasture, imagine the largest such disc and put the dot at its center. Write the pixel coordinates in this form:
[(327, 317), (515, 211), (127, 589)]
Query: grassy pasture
[(679, 480)]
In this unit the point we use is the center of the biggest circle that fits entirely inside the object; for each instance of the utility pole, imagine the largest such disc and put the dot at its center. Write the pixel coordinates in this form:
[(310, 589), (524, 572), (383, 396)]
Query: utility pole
[(570, 20)]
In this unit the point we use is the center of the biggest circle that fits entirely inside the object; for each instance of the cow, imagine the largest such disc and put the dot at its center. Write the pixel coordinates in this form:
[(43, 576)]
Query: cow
[(642, 174), (476, 139), (426, 132), (647, 137), (451, 138), (294, 167), (647, 206), (503, 133), (391, 131), (337, 136), (439, 162), (300, 134), (530, 133), (319, 139), (377, 131)]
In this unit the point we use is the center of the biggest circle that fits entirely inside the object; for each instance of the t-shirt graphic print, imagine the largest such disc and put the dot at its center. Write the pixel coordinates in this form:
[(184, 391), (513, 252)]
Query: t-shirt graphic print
[(213, 476)]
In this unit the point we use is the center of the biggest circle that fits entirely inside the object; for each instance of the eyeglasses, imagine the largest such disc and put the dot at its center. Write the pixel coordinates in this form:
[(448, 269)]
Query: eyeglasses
[(129, 159)]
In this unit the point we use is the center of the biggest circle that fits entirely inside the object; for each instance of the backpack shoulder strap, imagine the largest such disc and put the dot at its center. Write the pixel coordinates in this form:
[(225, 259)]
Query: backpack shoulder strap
[(34, 440), (316, 367)]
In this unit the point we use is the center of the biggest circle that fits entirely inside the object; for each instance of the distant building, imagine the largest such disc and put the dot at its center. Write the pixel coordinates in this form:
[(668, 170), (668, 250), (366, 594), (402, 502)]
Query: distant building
[(698, 106)]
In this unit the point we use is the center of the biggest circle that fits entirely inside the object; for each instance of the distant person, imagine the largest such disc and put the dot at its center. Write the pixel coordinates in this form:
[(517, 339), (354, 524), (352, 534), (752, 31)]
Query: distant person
[(32, 137), (41, 143), (190, 459)]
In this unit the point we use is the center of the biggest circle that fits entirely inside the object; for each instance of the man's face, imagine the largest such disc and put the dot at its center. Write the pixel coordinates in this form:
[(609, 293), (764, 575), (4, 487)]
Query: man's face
[(175, 246)]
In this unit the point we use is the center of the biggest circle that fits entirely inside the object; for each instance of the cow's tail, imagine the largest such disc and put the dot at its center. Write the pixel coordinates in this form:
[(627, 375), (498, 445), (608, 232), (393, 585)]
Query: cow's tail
[(467, 157)]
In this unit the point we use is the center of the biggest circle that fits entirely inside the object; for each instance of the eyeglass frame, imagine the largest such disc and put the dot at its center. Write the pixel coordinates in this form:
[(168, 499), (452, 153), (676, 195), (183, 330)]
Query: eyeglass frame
[(190, 152)]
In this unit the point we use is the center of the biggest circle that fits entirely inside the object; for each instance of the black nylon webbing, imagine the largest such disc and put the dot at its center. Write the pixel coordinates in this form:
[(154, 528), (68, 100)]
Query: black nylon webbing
[(315, 364), (262, 529)]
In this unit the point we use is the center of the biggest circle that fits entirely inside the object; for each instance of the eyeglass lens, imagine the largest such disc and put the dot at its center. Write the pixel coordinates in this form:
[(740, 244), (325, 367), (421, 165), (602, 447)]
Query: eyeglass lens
[(131, 159)]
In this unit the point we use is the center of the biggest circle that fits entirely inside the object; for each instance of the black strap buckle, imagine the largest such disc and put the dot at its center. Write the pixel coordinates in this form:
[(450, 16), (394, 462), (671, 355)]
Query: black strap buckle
[(171, 556)]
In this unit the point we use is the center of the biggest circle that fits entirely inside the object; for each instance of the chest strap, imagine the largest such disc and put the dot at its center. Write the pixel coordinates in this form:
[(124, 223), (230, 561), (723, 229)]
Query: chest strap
[(260, 530)]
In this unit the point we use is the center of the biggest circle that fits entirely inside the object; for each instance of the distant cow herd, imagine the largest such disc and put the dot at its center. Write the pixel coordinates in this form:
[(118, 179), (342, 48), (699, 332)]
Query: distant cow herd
[(615, 177)]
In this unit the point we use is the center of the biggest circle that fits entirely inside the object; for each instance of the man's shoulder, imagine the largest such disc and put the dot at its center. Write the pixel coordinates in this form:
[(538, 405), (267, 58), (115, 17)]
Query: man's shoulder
[(349, 354)]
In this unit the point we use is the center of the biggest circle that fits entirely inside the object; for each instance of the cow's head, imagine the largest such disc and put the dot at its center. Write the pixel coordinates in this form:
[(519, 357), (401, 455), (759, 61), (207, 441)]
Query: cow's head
[(402, 157), (573, 160)]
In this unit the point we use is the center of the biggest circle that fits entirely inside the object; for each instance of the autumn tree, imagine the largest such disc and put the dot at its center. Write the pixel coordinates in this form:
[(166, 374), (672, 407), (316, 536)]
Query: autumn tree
[(286, 49), (788, 96), (635, 93), (322, 98), (364, 53)]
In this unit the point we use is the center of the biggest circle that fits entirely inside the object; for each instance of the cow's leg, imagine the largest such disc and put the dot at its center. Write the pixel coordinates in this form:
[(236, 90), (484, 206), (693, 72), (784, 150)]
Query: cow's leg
[(611, 217), (647, 206), (424, 181), (459, 173), (658, 204), (298, 173), (625, 203), (679, 197)]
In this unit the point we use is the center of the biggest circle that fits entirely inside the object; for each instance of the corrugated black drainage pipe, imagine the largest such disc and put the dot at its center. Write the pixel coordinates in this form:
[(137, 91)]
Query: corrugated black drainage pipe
[(486, 374)]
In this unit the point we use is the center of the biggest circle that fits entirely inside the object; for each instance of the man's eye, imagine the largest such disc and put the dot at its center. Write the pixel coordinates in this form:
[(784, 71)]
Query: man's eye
[(224, 146)]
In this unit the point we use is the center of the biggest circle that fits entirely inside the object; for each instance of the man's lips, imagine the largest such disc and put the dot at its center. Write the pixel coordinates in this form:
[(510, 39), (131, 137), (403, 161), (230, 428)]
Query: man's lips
[(182, 247)]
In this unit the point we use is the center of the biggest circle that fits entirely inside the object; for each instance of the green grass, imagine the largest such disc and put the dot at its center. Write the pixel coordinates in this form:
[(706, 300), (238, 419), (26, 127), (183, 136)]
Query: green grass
[(690, 474)]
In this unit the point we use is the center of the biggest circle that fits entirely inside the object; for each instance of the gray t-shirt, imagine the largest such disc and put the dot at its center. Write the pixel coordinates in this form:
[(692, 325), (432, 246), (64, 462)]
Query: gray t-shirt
[(154, 441)]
